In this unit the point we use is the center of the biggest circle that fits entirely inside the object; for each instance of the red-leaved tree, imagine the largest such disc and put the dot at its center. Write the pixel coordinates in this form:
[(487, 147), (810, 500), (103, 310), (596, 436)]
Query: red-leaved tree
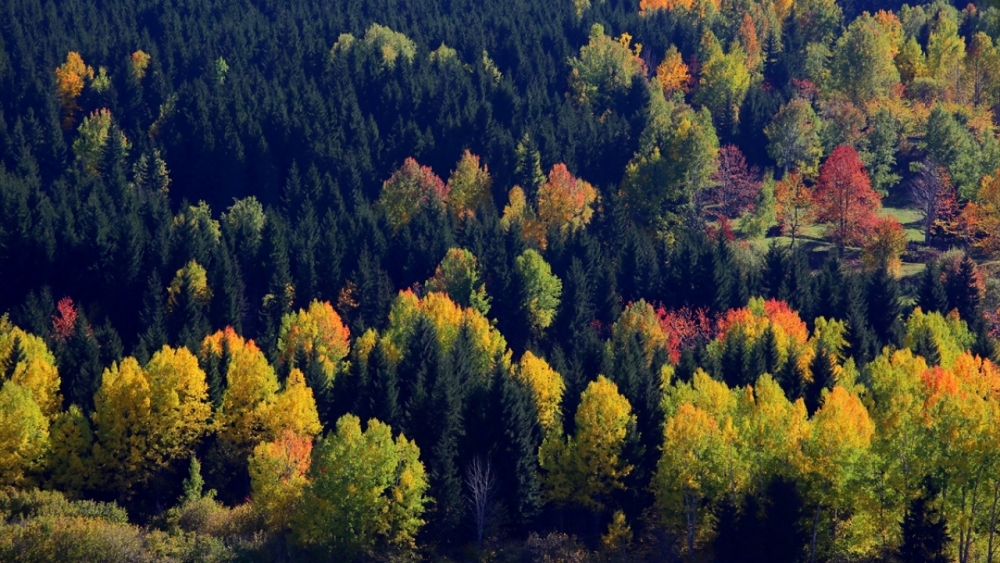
[(844, 197), (684, 327), (64, 323), (737, 185)]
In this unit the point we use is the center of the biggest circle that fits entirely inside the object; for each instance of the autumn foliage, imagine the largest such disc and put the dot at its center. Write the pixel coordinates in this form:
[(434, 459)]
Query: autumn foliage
[(844, 197)]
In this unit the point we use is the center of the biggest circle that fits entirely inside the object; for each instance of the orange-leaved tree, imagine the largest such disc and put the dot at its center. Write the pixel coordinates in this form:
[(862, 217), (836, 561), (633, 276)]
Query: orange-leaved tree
[(844, 197), (69, 85)]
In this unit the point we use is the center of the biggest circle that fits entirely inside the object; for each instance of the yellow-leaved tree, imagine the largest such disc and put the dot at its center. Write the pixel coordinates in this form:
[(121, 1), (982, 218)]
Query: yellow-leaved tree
[(278, 478), (144, 419), (585, 468), (315, 332), (24, 435), (547, 388), (27, 361)]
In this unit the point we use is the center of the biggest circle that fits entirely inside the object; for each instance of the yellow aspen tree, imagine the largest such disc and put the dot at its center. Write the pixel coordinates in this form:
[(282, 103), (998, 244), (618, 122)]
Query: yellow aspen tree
[(144, 419), (469, 187), (318, 329), (366, 493), (70, 461), (835, 456), (294, 409), (672, 73), (588, 467), (24, 435), (278, 478), (28, 362), (547, 388), (251, 386)]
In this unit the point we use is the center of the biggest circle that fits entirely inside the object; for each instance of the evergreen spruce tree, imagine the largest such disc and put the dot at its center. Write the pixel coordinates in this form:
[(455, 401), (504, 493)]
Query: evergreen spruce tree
[(775, 272), (830, 297), (823, 378), (383, 387), (733, 363), (724, 274), (15, 357), (418, 372), (193, 484), (800, 283), (925, 531), (517, 449), (318, 382), (789, 378), (80, 366), (926, 347), (859, 333), (963, 290), (152, 319), (933, 297), (884, 308), (769, 353), (443, 469)]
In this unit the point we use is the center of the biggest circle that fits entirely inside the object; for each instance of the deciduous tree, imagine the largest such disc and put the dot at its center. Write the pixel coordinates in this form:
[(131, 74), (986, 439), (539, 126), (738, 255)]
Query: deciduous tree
[(844, 197)]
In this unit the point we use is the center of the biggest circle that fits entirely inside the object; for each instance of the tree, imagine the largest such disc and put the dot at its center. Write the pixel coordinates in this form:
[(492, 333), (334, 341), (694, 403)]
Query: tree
[(605, 66), (278, 478), (480, 480), (24, 435), (317, 331), (737, 185), (794, 203), (884, 245), (925, 531), (250, 389), (188, 298), (565, 202), (458, 276), (676, 159), (469, 187), (862, 64), (69, 84), (587, 467), (546, 386), (27, 361), (366, 493), (541, 288), (672, 73), (409, 188), (835, 455), (983, 215), (723, 81), (844, 197), (144, 419), (933, 193), (794, 136)]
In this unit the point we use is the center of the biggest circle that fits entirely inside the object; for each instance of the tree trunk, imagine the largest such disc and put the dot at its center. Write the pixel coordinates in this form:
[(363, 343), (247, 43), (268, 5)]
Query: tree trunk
[(812, 546)]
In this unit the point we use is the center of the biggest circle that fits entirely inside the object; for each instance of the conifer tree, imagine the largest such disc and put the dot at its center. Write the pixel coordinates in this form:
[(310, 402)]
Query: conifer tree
[(444, 474), (925, 531), (963, 290), (933, 296), (884, 307), (823, 378), (517, 448), (383, 387)]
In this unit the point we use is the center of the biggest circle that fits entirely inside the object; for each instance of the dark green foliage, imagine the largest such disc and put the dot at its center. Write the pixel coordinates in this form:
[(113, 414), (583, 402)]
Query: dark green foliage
[(822, 368), (925, 530), (933, 296), (962, 287), (766, 529)]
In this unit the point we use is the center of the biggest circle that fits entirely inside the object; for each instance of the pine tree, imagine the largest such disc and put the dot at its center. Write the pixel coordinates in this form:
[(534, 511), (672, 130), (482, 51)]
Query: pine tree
[(775, 272), (153, 319), (789, 378), (925, 531), (933, 296), (383, 387), (193, 484), (517, 449), (733, 363), (724, 273), (963, 290), (884, 307), (859, 334), (823, 378), (443, 452), (926, 347), (769, 352)]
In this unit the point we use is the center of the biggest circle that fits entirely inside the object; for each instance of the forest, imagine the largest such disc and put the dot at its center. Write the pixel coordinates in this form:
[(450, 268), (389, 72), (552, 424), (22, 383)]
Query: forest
[(499, 280)]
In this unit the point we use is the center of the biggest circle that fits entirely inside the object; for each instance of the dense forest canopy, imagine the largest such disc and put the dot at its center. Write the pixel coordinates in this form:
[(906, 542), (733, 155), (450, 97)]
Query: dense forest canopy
[(707, 280)]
